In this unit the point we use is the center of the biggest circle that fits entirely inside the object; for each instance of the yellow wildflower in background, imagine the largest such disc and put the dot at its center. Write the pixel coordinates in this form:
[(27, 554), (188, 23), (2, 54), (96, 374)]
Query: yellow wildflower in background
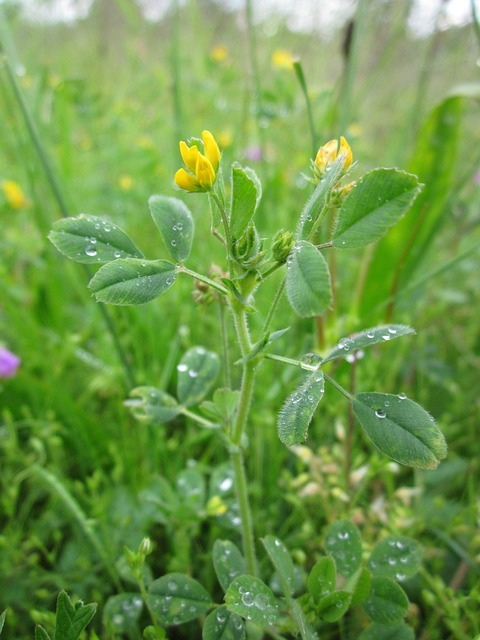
[(219, 53), (282, 59), (328, 153), (125, 182), (225, 139), (14, 194), (201, 168)]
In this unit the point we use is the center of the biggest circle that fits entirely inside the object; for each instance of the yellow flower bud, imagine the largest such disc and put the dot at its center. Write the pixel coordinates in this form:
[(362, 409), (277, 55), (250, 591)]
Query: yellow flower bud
[(328, 153), (201, 168)]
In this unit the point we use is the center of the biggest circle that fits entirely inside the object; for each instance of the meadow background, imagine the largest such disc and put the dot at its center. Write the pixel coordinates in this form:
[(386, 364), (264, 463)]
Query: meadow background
[(109, 96)]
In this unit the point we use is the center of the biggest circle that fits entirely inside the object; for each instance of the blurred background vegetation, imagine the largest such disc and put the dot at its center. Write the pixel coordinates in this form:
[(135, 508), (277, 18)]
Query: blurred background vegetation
[(108, 96)]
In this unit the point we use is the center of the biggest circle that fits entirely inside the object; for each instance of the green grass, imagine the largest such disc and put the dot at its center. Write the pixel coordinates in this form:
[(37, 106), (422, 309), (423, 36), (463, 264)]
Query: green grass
[(111, 99)]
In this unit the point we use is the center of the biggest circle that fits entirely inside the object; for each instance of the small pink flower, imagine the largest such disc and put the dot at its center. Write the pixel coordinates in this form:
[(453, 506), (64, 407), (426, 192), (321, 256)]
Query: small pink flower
[(9, 363), (253, 153)]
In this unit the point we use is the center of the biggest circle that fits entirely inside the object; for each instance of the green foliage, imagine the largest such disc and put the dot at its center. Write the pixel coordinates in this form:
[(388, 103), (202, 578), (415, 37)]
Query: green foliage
[(298, 409), (252, 599), (175, 223), (308, 281), (246, 195), (175, 598)]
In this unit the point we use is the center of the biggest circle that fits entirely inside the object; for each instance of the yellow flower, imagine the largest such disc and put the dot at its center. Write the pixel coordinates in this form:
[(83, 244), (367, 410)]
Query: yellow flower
[(328, 153), (125, 182), (14, 195), (216, 506), (201, 168), (219, 53), (282, 59)]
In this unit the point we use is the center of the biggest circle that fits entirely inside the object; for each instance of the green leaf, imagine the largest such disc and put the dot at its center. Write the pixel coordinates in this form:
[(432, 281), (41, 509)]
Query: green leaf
[(344, 544), (298, 409), (175, 222), (250, 598), (319, 200), (197, 371), (222, 406), (176, 598), (374, 205), (132, 281), (322, 578), (246, 194), (191, 488), (121, 612), (377, 631), (40, 633), (228, 562), (282, 561), (401, 429), (387, 601), (299, 616), (221, 480), (361, 586), (367, 338), (151, 405), (222, 624), (308, 281), (71, 620), (333, 606), (395, 557), (89, 239)]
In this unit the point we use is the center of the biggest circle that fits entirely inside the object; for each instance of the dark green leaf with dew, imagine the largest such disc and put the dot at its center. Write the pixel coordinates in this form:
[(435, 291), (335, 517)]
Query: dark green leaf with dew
[(401, 429), (132, 281), (92, 240), (377, 631), (177, 598), (344, 544), (197, 372), (395, 557), (151, 405), (308, 281), (175, 222), (222, 624), (387, 601), (252, 599), (367, 338), (282, 561), (298, 409), (228, 562), (121, 613)]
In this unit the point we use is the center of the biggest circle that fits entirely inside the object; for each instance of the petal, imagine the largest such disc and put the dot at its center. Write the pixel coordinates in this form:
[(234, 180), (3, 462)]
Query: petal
[(326, 154), (211, 149), (186, 181), (204, 172), (345, 149), (189, 155)]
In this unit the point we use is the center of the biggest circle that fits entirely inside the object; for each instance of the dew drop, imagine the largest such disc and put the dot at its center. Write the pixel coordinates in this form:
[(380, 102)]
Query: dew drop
[(192, 373), (261, 601), (370, 334), (172, 586), (380, 413), (248, 599), (392, 331), (182, 367), (90, 250), (117, 254), (392, 561), (225, 485), (310, 361), (386, 337), (402, 396), (179, 226), (173, 243), (343, 535)]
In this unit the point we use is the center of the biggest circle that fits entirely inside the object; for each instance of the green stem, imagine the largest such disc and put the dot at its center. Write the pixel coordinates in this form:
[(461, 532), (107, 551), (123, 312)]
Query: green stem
[(274, 356), (194, 416), (297, 66), (338, 387), (198, 276), (226, 226), (225, 347), (273, 308), (238, 431)]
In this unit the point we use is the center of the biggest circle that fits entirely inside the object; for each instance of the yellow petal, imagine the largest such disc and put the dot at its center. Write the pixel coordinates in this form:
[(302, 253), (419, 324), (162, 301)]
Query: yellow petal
[(345, 149), (211, 149), (186, 181), (326, 155), (204, 172), (189, 155)]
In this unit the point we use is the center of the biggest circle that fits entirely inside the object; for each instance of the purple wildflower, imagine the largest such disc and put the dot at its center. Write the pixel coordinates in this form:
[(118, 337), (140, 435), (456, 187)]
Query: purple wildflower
[(9, 363), (253, 153)]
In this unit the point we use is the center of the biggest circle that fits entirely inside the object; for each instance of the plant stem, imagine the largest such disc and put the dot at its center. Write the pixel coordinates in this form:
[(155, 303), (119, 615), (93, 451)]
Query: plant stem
[(225, 347), (194, 416), (239, 428), (338, 387), (273, 308), (198, 276), (297, 66)]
